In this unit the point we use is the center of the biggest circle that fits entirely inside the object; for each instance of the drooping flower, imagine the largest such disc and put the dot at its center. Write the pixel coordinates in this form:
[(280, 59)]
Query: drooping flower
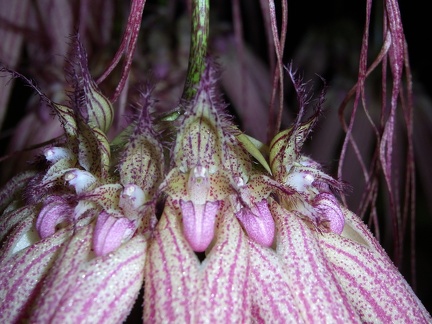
[(214, 225), (278, 245), (81, 218)]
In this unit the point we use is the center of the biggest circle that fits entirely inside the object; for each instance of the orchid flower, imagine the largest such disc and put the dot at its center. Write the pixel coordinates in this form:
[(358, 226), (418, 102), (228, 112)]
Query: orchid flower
[(285, 250), (212, 224)]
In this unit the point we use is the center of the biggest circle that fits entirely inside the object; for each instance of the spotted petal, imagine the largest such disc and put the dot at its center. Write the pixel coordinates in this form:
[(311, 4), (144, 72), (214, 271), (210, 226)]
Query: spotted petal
[(374, 286), (94, 150), (83, 289), (171, 272), (318, 295), (21, 274), (223, 294), (272, 298)]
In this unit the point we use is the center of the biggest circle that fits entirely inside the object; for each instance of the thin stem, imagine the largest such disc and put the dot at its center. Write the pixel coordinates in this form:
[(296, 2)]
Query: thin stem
[(197, 54), (127, 48), (198, 47)]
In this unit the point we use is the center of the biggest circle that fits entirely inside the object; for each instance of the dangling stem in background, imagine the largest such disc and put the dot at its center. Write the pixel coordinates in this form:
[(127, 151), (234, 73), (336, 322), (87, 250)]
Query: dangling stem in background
[(127, 47), (393, 55), (278, 82)]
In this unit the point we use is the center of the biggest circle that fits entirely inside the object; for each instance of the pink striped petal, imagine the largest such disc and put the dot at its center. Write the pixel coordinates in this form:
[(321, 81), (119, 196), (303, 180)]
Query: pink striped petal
[(223, 292), (21, 236), (22, 273), (84, 289), (171, 272), (9, 220), (318, 295), (374, 286), (272, 298)]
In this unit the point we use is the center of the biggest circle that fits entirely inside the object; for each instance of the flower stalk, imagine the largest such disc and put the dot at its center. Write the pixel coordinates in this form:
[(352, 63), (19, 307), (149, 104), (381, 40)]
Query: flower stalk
[(200, 26)]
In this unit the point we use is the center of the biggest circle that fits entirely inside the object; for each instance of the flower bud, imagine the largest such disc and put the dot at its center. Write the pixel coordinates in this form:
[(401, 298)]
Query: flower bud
[(96, 109)]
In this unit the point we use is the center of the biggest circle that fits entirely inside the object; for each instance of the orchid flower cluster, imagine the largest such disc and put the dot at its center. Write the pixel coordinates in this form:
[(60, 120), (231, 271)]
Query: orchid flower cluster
[(185, 214), (214, 225)]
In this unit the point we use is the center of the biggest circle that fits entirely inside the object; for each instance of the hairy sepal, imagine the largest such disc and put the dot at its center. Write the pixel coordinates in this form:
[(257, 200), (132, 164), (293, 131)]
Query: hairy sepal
[(200, 139), (92, 105), (285, 148), (142, 161)]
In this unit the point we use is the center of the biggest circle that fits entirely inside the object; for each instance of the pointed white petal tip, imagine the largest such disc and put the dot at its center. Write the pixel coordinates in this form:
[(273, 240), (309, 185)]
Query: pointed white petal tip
[(80, 180), (132, 196), (54, 154)]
